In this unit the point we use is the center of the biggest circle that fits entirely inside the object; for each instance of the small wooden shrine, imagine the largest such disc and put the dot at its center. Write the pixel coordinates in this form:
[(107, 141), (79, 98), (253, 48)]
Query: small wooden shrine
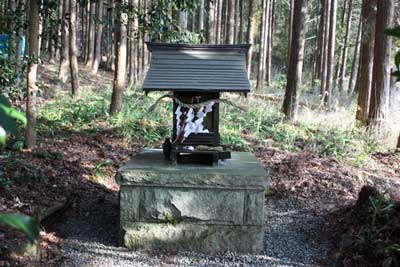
[(196, 75)]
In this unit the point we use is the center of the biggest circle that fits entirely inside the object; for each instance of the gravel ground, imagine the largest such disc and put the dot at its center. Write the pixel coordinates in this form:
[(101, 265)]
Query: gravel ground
[(293, 237)]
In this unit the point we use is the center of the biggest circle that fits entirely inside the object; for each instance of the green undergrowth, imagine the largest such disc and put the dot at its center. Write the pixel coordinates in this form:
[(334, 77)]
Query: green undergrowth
[(262, 124)]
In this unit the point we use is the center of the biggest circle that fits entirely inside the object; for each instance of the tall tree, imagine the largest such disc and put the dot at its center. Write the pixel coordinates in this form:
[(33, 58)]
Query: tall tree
[(342, 65), (120, 61), (320, 50), (211, 22), (290, 24), (269, 43), (33, 52), (230, 22), (296, 58), (331, 54), (183, 19), (64, 59), (99, 32), (262, 62), (356, 59), (325, 50), (91, 34), (201, 17), (368, 14), (218, 34), (132, 40), (241, 7), (379, 102), (73, 49), (250, 33)]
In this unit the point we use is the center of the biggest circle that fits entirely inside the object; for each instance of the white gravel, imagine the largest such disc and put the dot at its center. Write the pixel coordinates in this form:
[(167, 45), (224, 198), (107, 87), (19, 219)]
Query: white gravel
[(293, 237)]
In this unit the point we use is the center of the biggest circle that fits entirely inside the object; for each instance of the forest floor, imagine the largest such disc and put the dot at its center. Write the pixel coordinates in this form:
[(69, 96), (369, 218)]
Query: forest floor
[(76, 169)]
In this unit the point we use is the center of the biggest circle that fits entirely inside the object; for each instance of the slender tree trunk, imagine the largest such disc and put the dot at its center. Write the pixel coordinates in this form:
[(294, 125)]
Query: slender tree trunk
[(320, 53), (91, 35), (224, 15), (230, 25), (269, 44), (33, 40), (99, 32), (263, 39), (366, 59), (342, 66), (250, 33), (140, 47), (183, 19), (211, 22), (134, 25), (201, 17), (110, 43), (236, 23), (290, 26), (356, 60), (146, 38), (219, 22), (327, 7), (120, 63), (12, 53), (344, 12), (241, 5), (64, 60), (331, 54), (296, 58), (379, 102), (83, 31), (73, 49)]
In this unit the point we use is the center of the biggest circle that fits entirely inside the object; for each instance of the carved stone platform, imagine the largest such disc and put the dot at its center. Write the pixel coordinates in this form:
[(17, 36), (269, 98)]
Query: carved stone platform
[(194, 208)]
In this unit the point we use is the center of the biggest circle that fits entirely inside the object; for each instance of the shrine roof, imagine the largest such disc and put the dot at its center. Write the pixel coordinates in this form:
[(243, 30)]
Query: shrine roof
[(211, 68)]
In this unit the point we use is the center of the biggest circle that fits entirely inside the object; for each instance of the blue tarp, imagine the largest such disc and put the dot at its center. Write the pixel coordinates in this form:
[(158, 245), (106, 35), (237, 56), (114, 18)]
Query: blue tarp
[(4, 46)]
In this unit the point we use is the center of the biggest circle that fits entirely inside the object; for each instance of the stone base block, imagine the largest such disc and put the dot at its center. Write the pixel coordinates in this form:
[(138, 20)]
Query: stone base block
[(194, 237), (189, 207)]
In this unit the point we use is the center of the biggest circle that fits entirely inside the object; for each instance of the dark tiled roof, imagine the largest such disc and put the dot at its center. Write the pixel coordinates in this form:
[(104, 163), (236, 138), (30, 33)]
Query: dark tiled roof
[(182, 67)]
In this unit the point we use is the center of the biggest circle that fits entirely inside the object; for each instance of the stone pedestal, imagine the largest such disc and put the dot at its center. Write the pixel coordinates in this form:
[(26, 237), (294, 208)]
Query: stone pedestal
[(192, 207)]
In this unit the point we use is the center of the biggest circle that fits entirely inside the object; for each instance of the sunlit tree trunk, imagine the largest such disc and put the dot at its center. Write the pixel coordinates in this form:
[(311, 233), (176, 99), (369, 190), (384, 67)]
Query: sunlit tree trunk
[(236, 22), (99, 32), (201, 16), (342, 66), (269, 44), (356, 60), (379, 102), (241, 6), (250, 33), (331, 55), (33, 40), (230, 22), (183, 19), (218, 21), (133, 29), (366, 59), (325, 49), (263, 45), (120, 63), (91, 35), (64, 59), (73, 49), (320, 50), (211, 22), (296, 58), (290, 25)]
